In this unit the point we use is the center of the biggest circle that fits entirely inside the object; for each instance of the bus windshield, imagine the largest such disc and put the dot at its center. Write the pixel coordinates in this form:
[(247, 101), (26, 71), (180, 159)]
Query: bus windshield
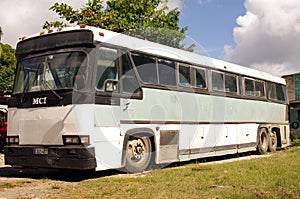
[(50, 72)]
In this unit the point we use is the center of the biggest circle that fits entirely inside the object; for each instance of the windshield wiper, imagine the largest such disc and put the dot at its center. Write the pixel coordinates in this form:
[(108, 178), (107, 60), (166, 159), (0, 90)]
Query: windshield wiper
[(45, 83)]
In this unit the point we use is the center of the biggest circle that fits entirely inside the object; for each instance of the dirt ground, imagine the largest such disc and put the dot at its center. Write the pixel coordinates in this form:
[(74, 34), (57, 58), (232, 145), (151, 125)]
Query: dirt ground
[(28, 183)]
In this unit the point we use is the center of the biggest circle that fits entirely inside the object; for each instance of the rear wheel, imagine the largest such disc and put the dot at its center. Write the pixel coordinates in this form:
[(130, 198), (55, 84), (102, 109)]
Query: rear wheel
[(263, 141), (138, 154), (272, 141)]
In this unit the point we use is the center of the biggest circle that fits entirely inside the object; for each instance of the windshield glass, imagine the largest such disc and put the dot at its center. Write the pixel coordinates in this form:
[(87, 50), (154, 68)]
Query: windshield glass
[(50, 72)]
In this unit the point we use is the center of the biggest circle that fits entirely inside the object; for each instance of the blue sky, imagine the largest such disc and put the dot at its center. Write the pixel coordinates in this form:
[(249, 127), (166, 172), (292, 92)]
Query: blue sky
[(211, 23)]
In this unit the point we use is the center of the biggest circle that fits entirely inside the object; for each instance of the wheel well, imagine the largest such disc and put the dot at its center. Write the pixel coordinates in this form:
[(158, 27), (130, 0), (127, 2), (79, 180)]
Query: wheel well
[(139, 132), (278, 135)]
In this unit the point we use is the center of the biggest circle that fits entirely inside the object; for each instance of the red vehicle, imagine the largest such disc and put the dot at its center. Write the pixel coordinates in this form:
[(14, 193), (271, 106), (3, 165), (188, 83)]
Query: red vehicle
[(3, 126)]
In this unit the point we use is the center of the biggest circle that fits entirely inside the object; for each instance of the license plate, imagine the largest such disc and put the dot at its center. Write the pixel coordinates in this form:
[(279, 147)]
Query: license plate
[(40, 151)]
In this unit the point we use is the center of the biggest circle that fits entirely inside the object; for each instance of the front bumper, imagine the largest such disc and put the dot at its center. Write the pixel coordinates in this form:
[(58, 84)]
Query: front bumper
[(61, 157)]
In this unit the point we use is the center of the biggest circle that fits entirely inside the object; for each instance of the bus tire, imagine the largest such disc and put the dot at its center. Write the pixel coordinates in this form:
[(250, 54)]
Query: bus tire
[(138, 154), (262, 141), (272, 141)]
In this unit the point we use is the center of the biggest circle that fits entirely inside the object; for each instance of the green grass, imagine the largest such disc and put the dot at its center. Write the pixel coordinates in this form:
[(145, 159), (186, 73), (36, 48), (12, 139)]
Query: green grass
[(276, 176)]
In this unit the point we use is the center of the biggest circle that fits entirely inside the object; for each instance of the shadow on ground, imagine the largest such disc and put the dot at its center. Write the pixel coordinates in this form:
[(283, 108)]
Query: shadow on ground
[(77, 175)]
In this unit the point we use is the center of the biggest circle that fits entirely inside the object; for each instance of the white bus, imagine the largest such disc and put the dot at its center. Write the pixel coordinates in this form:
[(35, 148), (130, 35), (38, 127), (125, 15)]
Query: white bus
[(88, 98)]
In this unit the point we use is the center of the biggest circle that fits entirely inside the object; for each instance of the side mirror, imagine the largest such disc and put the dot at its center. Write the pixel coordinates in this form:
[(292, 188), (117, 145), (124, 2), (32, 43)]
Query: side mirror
[(111, 85)]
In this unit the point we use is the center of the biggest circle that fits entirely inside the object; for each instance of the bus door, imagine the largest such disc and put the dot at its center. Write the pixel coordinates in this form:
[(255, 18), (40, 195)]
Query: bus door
[(117, 85)]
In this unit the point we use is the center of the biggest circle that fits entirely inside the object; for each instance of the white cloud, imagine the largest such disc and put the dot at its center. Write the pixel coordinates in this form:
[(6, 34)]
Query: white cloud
[(268, 36), (201, 2), (26, 17), (172, 4)]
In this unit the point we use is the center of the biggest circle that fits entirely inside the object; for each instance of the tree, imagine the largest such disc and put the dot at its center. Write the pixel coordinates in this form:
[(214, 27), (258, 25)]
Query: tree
[(147, 19), (7, 66)]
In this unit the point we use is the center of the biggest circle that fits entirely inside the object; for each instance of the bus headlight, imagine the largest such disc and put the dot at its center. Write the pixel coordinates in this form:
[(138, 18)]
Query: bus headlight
[(12, 140), (85, 140), (74, 139)]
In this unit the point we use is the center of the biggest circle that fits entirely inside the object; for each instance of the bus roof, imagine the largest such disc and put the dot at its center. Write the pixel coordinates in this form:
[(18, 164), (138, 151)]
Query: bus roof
[(145, 46)]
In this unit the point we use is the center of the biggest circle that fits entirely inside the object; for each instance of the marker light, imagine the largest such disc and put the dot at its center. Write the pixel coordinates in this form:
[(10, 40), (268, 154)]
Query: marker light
[(82, 26), (50, 31), (101, 34)]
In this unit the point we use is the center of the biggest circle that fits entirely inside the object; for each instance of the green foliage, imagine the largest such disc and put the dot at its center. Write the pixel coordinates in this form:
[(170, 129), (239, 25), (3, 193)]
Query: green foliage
[(293, 135), (7, 66), (146, 19)]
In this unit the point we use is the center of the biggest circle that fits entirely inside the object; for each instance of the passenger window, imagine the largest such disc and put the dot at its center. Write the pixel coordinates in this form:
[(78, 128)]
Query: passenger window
[(260, 88), (185, 76), (280, 90), (146, 67), (200, 78), (254, 88), (276, 91), (272, 91), (106, 66), (230, 83), (166, 71), (224, 82), (192, 77), (249, 87), (218, 81), (129, 80)]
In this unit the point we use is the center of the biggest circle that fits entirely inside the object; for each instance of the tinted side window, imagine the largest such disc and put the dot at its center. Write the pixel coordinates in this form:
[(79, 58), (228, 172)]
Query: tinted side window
[(129, 80), (260, 88), (217, 81), (280, 91), (166, 71), (230, 83), (276, 91), (224, 82), (272, 91), (185, 76), (106, 66), (146, 67), (200, 78), (254, 87)]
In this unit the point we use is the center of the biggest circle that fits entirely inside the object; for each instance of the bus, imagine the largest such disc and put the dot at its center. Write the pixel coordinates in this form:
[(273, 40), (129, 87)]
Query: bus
[(86, 98)]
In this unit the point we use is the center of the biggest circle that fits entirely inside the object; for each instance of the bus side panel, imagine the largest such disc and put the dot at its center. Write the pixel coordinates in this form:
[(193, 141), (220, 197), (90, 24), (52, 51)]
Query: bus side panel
[(107, 138), (247, 137), (108, 144), (226, 139), (196, 141)]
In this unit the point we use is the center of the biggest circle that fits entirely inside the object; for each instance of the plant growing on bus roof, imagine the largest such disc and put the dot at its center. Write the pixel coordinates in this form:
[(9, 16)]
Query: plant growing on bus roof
[(146, 19)]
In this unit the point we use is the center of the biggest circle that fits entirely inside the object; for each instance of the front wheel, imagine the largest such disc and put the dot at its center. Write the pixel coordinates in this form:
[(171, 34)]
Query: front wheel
[(263, 141), (138, 154)]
